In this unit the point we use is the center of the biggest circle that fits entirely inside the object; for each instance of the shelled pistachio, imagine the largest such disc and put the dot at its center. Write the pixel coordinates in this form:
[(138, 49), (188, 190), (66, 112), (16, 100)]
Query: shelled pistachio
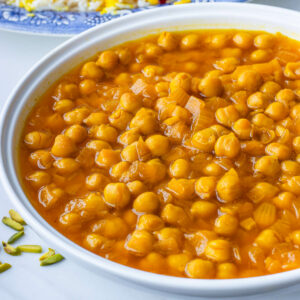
[(12, 224)]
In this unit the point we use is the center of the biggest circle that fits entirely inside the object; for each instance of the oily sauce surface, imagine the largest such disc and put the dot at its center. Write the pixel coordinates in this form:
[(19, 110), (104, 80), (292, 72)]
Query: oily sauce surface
[(176, 154)]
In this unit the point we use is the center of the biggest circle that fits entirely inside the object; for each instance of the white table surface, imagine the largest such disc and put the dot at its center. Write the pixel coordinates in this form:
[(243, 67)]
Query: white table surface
[(67, 280)]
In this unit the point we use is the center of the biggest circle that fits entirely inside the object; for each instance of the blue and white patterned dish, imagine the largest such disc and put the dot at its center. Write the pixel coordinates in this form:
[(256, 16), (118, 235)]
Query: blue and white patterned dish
[(61, 23)]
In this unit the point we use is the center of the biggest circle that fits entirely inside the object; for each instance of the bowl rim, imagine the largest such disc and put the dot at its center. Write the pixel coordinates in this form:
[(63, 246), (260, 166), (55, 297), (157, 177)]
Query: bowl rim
[(10, 182)]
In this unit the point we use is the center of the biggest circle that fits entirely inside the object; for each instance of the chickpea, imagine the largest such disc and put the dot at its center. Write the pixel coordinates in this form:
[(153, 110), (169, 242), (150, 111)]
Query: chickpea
[(267, 239), (204, 139), (152, 71), (153, 171), (167, 41), (130, 218), (150, 222), (227, 271), (107, 60), (243, 40), (123, 79), (91, 71), (39, 179), (63, 106), (182, 80), (70, 220), (145, 121), (227, 65), (129, 136), (169, 240), (243, 129), (96, 181), (212, 169), (203, 209), (130, 102), (227, 115), (76, 116), (227, 145), (107, 158), (226, 225), (37, 140), (94, 203), (63, 146), (76, 133), (231, 52), (140, 242), (191, 67), (162, 88), (284, 200), (282, 152), (174, 215), (261, 120), (220, 130), (270, 88), (296, 144), (180, 168), (182, 188), (229, 186), (112, 228), (277, 111), (291, 70), (120, 118), (146, 202), (260, 55), (152, 50), (97, 242), (182, 114), (257, 100), (96, 118), (117, 195), (267, 165), (290, 167), (66, 165), (200, 268), (211, 87), (87, 87), (55, 122), (107, 133), (129, 153), (218, 250), (158, 144), (153, 262), (97, 145), (296, 237), (295, 111), (253, 148), (136, 187), (205, 187), (249, 80), (125, 56), (50, 195), (218, 41), (292, 185), (264, 41), (178, 261), (66, 91), (189, 42), (41, 159), (285, 96), (117, 170)]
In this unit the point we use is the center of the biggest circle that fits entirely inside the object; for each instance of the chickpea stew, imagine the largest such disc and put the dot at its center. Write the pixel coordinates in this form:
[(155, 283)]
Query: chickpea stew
[(177, 154)]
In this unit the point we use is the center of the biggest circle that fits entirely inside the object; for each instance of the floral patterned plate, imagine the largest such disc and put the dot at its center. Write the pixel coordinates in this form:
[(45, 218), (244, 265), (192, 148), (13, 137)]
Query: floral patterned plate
[(61, 23)]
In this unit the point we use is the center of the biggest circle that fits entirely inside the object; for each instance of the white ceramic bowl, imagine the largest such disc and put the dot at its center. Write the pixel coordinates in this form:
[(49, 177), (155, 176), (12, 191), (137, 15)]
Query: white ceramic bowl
[(80, 48)]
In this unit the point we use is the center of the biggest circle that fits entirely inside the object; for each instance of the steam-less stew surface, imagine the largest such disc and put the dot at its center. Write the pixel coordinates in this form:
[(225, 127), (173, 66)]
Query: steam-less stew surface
[(176, 154)]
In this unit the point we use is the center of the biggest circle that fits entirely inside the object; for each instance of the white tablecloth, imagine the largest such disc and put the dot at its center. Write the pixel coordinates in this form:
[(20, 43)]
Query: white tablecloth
[(67, 280)]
